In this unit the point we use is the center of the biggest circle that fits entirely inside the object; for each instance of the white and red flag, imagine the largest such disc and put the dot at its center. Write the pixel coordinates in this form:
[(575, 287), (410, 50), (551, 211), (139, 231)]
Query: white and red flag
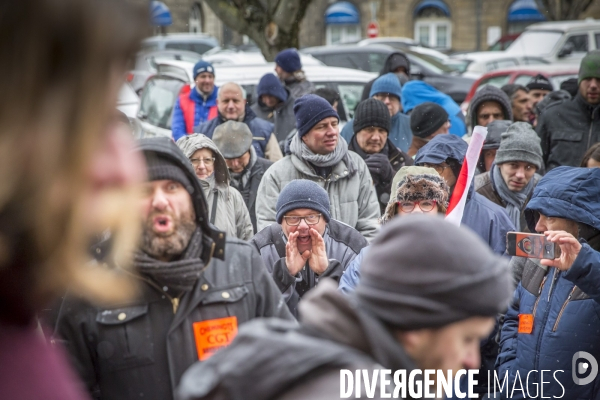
[(456, 207)]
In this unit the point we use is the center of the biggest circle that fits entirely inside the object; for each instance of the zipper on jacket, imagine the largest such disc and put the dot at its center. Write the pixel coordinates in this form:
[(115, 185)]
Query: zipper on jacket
[(554, 278), (590, 132), (562, 310), (539, 295)]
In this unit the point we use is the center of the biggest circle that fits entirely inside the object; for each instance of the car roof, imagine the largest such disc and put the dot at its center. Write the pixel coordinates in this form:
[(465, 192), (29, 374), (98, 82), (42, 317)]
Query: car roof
[(565, 25), (178, 36), (251, 74), (344, 48), (547, 69), (231, 57)]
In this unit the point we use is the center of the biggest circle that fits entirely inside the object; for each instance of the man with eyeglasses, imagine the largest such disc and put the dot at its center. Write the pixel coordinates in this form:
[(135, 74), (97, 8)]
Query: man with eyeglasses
[(387, 88), (445, 154), (512, 178), (305, 244)]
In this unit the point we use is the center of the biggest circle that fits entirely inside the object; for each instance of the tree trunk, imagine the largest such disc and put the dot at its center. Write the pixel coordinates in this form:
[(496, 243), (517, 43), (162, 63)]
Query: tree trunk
[(272, 24), (562, 10)]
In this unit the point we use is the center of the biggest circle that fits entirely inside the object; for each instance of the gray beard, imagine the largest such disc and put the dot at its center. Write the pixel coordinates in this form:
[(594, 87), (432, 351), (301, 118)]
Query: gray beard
[(171, 246)]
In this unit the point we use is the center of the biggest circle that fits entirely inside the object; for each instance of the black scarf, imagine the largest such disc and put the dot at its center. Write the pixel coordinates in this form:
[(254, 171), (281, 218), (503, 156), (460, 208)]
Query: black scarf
[(179, 275), (353, 146)]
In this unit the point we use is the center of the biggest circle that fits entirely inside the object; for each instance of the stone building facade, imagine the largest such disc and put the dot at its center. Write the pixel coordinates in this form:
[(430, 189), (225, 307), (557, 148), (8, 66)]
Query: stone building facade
[(449, 25)]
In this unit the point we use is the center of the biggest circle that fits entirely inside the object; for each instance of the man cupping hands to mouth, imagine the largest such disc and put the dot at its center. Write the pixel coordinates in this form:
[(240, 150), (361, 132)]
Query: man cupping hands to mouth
[(305, 244)]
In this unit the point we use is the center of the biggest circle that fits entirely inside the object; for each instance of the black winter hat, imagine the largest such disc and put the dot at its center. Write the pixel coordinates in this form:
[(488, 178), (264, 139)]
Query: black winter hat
[(540, 82), (371, 112), (495, 130), (427, 118), (160, 167)]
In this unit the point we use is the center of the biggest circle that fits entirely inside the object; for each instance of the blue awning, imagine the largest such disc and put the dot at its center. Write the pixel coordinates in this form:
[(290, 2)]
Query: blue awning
[(160, 14), (342, 12), (524, 10), (439, 4)]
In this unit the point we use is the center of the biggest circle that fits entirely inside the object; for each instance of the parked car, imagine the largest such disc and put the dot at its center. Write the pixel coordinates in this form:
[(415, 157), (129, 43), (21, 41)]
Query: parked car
[(372, 58), (145, 64), (161, 91), (475, 64), (227, 57), (521, 75), (504, 42), (128, 101), (558, 42), (197, 42), (402, 43)]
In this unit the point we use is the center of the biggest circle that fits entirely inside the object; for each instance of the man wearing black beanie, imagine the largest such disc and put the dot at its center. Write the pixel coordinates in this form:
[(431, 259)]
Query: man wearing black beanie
[(427, 120), (413, 309), (192, 280), (539, 86), (370, 141)]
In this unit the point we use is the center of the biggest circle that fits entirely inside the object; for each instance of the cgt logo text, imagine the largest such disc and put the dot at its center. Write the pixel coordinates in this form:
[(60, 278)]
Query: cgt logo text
[(431, 384)]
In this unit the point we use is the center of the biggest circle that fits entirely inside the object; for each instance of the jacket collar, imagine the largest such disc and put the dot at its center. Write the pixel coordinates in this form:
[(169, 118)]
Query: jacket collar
[(339, 171), (590, 109)]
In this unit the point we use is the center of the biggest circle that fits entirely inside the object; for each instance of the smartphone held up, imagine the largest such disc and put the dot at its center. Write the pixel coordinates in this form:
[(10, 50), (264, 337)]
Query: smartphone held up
[(531, 245)]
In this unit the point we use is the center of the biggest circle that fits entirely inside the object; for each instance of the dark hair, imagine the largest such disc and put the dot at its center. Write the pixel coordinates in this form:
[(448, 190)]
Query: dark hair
[(571, 86), (513, 88), (328, 94), (592, 153)]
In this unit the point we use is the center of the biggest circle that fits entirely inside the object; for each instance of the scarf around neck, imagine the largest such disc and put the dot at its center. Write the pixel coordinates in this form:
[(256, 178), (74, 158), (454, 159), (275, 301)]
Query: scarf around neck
[(239, 180), (179, 275), (301, 150), (514, 200)]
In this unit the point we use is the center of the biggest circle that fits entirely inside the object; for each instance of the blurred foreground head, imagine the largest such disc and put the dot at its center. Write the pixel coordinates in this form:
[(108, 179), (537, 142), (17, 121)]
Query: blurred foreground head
[(65, 165)]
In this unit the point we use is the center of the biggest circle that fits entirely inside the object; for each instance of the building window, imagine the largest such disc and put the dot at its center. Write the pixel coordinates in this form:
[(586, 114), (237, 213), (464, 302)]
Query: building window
[(343, 23), (196, 19), (433, 27)]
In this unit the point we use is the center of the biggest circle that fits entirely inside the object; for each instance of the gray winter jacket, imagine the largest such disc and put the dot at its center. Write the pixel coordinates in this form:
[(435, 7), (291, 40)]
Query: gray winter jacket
[(342, 244), (353, 198), (299, 87), (231, 213)]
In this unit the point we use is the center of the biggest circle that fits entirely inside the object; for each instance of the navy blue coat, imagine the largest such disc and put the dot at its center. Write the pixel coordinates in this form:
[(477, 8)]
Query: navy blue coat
[(261, 130), (565, 305)]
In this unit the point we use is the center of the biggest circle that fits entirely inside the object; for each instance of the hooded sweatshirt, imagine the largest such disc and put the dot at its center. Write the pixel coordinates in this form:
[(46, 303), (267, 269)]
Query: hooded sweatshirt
[(282, 115), (231, 214), (488, 93)]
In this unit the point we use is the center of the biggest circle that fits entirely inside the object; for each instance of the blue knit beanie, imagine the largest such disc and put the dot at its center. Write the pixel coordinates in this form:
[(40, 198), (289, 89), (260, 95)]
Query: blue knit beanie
[(302, 193), (203, 66), (289, 60), (388, 83), (311, 109), (270, 85)]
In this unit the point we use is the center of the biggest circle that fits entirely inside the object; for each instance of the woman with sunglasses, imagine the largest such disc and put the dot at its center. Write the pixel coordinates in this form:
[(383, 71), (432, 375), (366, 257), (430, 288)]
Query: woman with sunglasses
[(419, 190), (227, 209)]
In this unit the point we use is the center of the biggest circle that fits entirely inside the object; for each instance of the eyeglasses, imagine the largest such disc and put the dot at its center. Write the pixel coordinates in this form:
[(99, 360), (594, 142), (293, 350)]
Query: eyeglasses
[(293, 220), (439, 168), (424, 205), (206, 161)]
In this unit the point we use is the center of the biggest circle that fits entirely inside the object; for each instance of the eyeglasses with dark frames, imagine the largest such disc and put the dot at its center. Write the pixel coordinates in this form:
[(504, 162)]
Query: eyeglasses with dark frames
[(294, 220)]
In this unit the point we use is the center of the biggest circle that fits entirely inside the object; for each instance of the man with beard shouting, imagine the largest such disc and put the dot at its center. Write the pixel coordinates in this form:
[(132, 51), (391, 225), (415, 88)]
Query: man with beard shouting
[(196, 288)]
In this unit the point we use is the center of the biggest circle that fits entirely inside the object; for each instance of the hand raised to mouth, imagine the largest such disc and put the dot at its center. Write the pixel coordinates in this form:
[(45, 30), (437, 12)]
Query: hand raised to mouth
[(293, 259), (318, 260)]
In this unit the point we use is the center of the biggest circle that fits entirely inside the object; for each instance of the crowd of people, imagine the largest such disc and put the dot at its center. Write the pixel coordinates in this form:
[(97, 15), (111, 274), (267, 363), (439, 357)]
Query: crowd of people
[(264, 248)]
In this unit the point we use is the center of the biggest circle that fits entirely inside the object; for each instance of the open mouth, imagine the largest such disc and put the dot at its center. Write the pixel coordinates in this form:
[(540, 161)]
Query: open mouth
[(304, 239), (162, 223)]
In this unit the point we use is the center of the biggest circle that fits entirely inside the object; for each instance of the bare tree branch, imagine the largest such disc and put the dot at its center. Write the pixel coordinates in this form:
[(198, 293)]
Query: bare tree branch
[(560, 10)]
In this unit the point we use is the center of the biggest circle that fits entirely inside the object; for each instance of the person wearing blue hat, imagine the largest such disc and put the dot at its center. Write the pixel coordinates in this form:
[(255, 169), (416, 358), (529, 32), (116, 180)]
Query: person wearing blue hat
[(305, 244), (319, 154), (195, 104), (387, 88), (276, 105), (289, 70)]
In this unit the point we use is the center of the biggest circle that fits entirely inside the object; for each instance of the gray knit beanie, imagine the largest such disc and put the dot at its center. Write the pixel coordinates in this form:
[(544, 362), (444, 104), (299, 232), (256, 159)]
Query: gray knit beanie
[(423, 272), (520, 143)]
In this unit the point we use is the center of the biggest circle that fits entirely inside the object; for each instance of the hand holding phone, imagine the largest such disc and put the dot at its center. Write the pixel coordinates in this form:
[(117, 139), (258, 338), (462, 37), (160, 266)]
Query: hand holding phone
[(531, 245), (569, 249)]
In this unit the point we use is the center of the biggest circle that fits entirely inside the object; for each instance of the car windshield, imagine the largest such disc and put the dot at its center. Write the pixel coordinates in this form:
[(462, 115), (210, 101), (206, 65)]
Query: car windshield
[(457, 65), (432, 64), (535, 43), (557, 80), (158, 98)]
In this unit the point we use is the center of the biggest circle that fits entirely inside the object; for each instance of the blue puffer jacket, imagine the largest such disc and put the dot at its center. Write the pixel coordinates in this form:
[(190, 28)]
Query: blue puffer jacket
[(485, 218), (418, 92), (202, 111), (400, 133), (261, 129), (565, 305)]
